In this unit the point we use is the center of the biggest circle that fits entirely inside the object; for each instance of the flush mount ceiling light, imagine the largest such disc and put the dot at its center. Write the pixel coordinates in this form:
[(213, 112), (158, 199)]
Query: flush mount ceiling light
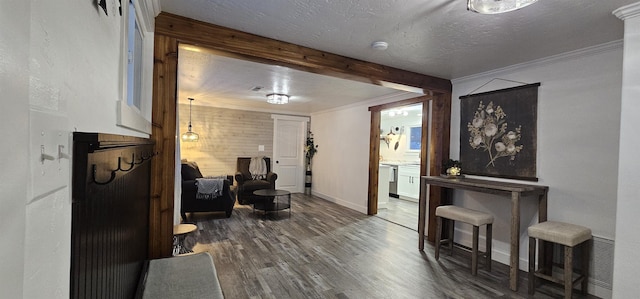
[(497, 6), (190, 136), (277, 98)]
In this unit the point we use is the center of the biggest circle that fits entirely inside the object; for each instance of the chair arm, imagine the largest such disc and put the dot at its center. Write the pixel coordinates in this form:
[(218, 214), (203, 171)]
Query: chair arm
[(271, 178), (189, 185), (239, 178)]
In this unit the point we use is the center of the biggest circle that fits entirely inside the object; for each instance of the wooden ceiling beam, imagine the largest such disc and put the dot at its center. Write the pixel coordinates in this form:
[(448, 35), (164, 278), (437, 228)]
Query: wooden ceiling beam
[(266, 50)]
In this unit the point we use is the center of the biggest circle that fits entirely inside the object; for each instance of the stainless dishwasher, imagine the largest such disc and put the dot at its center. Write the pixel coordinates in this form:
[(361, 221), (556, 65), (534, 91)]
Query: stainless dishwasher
[(393, 181)]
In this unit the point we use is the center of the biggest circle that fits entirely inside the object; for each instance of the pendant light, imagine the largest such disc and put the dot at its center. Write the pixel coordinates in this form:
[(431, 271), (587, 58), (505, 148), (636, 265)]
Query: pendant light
[(190, 136)]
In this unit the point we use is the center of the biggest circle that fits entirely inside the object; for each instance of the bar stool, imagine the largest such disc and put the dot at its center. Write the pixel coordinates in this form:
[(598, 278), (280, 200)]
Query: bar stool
[(473, 217), (569, 236)]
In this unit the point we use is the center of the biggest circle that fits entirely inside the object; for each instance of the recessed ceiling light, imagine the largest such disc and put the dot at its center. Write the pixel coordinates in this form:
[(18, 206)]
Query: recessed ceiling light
[(379, 45)]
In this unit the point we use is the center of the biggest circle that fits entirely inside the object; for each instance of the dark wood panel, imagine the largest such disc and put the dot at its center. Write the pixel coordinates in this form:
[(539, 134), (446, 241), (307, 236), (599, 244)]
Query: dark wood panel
[(110, 208)]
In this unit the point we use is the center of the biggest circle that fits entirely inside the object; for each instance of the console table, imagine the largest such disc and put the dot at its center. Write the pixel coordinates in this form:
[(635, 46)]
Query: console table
[(512, 190)]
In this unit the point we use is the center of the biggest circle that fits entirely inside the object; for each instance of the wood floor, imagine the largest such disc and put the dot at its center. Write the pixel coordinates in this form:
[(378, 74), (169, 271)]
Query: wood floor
[(328, 251), (401, 212)]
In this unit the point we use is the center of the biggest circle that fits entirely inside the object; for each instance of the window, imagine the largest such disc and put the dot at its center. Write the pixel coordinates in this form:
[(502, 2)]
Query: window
[(134, 108), (415, 138), (134, 59)]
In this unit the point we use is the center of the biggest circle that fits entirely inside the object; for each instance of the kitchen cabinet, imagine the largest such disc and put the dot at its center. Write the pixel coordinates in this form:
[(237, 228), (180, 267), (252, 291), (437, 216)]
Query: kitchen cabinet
[(409, 181)]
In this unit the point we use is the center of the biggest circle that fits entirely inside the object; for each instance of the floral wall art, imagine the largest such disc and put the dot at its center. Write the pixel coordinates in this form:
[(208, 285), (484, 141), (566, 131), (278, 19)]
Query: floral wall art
[(498, 133)]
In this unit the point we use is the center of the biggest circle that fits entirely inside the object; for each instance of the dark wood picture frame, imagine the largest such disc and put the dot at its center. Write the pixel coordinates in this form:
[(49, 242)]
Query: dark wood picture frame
[(498, 133)]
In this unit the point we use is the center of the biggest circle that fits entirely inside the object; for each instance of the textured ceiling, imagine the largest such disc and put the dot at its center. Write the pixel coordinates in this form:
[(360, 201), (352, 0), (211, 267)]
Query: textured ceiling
[(438, 37), (220, 81)]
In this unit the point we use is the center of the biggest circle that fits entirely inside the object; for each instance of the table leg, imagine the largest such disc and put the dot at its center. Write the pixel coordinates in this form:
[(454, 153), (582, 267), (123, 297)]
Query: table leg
[(545, 249), (514, 256), (422, 209)]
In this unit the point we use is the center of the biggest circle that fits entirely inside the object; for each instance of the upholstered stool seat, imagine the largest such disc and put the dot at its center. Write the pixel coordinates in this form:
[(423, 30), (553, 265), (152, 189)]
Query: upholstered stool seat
[(569, 236), (473, 217)]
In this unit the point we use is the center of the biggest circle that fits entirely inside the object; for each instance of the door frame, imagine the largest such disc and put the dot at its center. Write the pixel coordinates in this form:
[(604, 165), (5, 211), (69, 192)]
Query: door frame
[(170, 30), (436, 120)]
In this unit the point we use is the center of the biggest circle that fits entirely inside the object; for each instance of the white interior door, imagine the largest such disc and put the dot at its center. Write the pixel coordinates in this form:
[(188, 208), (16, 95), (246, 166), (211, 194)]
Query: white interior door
[(288, 151)]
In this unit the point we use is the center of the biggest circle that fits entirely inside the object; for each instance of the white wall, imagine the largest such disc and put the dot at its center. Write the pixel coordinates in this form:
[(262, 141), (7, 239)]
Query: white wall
[(14, 87), (578, 125), (388, 152), (60, 63), (626, 263), (341, 165)]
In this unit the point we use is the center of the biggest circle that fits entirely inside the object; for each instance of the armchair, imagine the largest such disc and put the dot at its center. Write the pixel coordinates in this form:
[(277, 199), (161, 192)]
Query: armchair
[(189, 203), (246, 184)]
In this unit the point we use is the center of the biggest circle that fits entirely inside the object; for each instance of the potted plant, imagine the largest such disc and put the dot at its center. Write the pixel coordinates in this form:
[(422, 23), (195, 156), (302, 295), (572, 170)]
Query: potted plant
[(452, 167)]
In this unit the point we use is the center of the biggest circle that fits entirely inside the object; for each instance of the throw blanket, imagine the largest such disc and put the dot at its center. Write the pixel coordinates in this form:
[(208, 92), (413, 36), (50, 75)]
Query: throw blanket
[(258, 168), (209, 188)]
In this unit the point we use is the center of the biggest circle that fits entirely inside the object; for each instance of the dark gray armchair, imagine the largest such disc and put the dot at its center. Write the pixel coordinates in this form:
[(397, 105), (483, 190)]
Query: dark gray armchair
[(246, 184), (189, 203)]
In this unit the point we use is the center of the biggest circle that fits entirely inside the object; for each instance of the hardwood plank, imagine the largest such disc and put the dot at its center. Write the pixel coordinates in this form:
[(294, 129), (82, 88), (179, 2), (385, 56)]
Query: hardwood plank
[(328, 251)]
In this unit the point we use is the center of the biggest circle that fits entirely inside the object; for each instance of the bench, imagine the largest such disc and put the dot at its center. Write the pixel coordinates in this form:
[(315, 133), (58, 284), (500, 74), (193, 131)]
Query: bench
[(190, 276)]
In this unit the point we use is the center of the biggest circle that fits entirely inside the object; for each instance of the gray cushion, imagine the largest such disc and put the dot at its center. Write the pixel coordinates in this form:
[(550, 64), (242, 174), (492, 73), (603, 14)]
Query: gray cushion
[(190, 276), (559, 232), (465, 215)]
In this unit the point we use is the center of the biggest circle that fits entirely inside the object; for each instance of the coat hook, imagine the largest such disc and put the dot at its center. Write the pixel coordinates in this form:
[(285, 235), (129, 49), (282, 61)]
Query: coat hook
[(44, 156), (133, 159), (141, 160), (113, 176), (61, 154)]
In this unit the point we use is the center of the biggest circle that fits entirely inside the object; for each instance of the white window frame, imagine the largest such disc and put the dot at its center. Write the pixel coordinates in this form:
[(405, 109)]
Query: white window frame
[(130, 115)]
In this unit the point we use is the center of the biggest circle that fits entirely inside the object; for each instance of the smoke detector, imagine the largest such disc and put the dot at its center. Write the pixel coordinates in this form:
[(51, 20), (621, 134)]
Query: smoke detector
[(379, 45)]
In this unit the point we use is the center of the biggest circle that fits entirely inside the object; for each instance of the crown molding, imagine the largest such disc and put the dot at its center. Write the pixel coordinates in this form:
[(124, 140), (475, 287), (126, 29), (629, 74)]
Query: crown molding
[(593, 50), (627, 11), (394, 97), (149, 10)]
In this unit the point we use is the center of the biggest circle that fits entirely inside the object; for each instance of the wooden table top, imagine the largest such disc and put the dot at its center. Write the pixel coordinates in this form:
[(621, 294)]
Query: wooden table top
[(476, 184), (184, 228), (271, 192)]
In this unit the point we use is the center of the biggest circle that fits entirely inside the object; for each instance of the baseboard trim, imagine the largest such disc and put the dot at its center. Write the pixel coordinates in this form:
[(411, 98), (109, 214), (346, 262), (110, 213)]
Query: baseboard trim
[(350, 205)]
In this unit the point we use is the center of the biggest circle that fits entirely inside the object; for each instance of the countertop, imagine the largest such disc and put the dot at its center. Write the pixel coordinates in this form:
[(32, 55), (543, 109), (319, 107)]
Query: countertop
[(398, 163)]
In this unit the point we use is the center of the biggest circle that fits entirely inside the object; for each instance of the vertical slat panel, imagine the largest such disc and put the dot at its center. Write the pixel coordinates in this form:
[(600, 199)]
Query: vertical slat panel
[(110, 224)]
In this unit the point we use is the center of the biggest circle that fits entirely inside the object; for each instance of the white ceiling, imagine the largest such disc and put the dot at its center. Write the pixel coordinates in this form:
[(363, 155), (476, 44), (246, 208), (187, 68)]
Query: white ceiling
[(437, 37)]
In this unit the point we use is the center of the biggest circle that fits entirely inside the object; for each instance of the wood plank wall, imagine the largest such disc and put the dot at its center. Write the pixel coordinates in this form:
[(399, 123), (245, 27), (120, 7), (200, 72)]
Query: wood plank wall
[(225, 135)]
